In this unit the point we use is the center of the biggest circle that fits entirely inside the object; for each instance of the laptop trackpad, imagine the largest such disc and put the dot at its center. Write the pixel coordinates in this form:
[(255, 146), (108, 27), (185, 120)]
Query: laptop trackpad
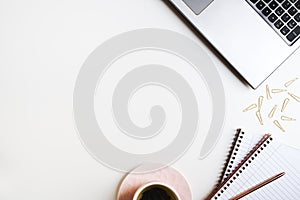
[(197, 6)]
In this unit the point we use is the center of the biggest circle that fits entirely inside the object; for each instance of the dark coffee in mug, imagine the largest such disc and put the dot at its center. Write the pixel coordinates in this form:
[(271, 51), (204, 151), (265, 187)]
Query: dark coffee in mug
[(157, 192)]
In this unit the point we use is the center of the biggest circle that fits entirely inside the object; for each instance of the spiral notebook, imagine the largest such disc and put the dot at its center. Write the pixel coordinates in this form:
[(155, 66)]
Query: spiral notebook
[(242, 145), (264, 160)]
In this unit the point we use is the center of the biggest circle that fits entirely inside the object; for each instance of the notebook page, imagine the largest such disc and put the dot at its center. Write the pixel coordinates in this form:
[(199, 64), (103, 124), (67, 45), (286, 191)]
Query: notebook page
[(245, 142), (288, 186), (272, 159)]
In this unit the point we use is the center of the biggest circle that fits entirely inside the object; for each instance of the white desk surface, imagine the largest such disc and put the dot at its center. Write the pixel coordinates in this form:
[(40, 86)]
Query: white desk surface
[(42, 47)]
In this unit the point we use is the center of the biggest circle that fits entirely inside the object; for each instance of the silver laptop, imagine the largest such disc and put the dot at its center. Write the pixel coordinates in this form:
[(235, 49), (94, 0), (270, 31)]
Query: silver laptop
[(255, 36)]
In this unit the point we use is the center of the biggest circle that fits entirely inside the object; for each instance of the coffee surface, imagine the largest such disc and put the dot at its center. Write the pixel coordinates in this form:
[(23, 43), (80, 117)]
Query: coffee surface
[(156, 194)]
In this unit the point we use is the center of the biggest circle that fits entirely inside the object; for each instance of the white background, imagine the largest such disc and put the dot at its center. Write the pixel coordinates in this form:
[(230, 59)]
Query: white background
[(42, 47)]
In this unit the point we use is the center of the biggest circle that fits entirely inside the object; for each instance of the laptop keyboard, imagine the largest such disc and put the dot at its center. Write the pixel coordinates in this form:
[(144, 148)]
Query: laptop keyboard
[(282, 15)]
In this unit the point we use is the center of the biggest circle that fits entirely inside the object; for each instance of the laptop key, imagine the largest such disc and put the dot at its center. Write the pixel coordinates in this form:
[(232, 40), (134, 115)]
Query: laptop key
[(291, 24), (285, 17), (273, 5), (294, 34), (266, 1), (292, 11), (286, 4), (297, 17), (266, 11), (278, 24), (285, 30), (272, 18), (260, 5), (297, 4), (279, 11), (254, 1)]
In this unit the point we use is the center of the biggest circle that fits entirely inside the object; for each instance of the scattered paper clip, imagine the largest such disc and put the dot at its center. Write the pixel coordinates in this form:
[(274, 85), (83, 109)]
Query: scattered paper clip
[(251, 107), (272, 112), (279, 125), (285, 118), (297, 98), (287, 84), (268, 93), (278, 90), (258, 115), (260, 101), (285, 103)]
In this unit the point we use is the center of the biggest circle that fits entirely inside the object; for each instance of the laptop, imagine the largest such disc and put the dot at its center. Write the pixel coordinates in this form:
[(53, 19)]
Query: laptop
[(254, 36)]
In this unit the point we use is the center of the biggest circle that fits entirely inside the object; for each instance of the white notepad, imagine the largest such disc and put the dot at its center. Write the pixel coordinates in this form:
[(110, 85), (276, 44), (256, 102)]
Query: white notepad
[(267, 159)]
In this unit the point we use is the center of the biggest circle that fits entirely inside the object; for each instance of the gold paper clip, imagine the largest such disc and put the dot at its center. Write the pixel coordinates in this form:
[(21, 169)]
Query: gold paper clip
[(260, 101), (297, 98), (272, 112), (251, 107), (268, 92), (287, 84), (278, 90), (285, 118), (285, 103), (258, 115), (279, 125)]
